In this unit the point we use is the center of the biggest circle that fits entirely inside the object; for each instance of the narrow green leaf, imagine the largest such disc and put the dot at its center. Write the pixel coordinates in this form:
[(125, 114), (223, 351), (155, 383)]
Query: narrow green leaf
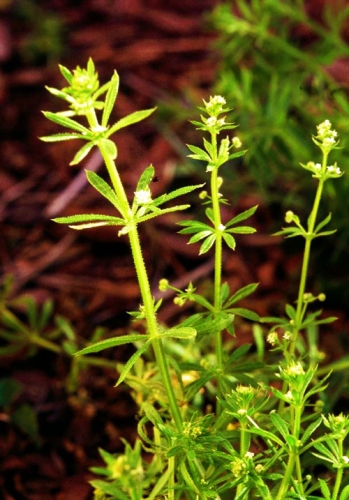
[(237, 154), (230, 240), (209, 214), (280, 424), (109, 148), (25, 417), (290, 232), (207, 244), (110, 98), (180, 332), (208, 147), (72, 219), (64, 121), (174, 194), (325, 490), (8, 319), (60, 94), (238, 353), (61, 137), (242, 230), (199, 299), (161, 212), (242, 293), (135, 117), (193, 226), (152, 414), (326, 233), (82, 153), (113, 342), (225, 290), (109, 489), (200, 154), (145, 178), (244, 313), (323, 223), (201, 235), (90, 225), (244, 215), (103, 188), (290, 311), (10, 389), (310, 429), (344, 494), (132, 361), (194, 388), (68, 75)]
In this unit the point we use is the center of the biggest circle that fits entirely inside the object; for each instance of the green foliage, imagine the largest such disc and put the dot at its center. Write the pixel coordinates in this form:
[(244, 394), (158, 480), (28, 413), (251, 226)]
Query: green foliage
[(216, 420), (21, 415), (277, 63)]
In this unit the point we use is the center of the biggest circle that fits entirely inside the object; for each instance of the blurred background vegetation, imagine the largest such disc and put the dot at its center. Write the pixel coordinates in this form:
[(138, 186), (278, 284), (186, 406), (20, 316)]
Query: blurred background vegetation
[(284, 68)]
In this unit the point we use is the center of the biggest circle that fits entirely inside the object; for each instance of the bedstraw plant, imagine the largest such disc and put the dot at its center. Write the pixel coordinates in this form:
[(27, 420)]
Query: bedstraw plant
[(213, 422)]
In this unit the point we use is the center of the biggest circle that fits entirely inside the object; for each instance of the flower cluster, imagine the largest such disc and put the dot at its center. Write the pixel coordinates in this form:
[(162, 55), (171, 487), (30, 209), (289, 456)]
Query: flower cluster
[(326, 138)]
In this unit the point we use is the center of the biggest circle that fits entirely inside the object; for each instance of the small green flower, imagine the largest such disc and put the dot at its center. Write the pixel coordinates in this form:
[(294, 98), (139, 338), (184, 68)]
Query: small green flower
[(238, 467), (163, 285), (338, 424), (326, 138)]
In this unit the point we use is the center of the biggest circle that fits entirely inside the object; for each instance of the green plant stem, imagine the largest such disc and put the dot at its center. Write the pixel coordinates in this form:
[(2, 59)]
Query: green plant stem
[(217, 265), (153, 325), (300, 311), (339, 474), (142, 277), (293, 459), (244, 447), (46, 344)]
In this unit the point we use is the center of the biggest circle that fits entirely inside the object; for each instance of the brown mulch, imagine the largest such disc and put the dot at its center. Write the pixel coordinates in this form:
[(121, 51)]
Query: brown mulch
[(163, 53)]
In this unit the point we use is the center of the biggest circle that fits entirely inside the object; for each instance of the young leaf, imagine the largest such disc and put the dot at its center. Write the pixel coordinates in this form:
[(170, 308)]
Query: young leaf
[(109, 148), (103, 188), (179, 332), (242, 230), (60, 94), (157, 211), (345, 493), (68, 75), (193, 227), (82, 153), (135, 117), (113, 342), (200, 154), (61, 137), (244, 313), (230, 240), (174, 194), (207, 244), (145, 178), (310, 429), (323, 223), (290, 311), (81, 218), (201, 235), (280, 424), (325, 490), (244, 215), (64, 121), (132, 361), (110, 98), (242, 293)]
